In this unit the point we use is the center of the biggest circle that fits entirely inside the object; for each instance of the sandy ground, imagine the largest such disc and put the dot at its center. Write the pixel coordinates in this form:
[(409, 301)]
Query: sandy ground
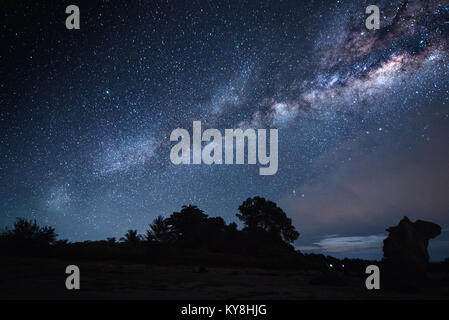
[(45, 279)]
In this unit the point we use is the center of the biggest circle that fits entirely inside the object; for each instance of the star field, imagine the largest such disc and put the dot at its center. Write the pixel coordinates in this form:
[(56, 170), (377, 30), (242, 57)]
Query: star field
[(86, 115)]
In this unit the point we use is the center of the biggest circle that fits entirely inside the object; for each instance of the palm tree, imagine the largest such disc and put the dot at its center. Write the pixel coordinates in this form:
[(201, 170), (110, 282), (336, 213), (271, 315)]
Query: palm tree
[(159, 230), (131, 237), (29, 231)]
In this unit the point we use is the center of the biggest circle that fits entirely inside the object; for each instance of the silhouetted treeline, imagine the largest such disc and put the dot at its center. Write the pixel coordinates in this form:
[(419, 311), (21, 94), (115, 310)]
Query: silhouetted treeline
[(27, 237), (187, 235), (190, 237)]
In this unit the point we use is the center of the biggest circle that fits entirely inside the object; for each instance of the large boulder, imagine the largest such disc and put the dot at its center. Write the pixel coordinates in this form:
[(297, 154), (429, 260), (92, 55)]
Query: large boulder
[(405, 254)]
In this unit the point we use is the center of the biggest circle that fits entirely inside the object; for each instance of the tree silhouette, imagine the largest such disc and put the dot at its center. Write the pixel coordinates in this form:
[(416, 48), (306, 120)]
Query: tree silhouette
[(259, 214), (159, 230), (131, 237), (29, 231), (111, 240), (186, 226), (192, 228)]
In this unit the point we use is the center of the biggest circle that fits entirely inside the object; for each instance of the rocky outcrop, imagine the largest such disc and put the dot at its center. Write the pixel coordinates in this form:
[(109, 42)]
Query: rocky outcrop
[(405, 254)]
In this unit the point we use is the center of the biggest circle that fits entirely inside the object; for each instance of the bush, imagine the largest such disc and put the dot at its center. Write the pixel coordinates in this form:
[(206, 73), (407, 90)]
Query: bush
[(27, 237)]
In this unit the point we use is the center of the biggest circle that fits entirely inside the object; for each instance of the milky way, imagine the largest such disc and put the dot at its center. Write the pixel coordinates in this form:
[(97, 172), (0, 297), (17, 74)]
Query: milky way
[(87, 114)]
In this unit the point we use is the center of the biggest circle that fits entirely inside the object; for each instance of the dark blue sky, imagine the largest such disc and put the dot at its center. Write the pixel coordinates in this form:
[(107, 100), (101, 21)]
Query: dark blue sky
[(363, 116)]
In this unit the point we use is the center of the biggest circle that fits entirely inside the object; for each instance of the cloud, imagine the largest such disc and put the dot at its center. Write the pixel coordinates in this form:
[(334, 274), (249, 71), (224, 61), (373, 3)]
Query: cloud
[(365, 190), (344, 244)]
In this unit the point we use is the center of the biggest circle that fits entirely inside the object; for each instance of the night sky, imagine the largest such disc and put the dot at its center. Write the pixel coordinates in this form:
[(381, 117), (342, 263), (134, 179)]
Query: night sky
[(363, 115)]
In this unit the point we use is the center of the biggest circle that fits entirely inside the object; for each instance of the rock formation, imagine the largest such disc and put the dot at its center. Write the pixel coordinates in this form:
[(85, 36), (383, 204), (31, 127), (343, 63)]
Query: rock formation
[(405, 254)]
